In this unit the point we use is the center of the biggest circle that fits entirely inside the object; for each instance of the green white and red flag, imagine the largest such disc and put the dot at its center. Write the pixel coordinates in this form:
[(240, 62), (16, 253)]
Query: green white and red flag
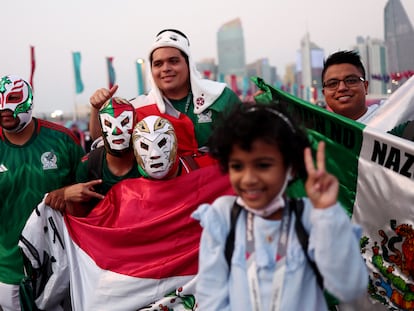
[(376, 174)]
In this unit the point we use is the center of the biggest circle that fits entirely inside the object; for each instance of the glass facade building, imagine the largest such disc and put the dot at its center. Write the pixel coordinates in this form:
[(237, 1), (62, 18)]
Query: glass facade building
[(231, 49), (399, 37)]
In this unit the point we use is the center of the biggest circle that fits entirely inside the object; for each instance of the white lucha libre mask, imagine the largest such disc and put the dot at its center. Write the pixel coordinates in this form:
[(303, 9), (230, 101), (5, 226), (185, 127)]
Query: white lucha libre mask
[(155, 147), (117, 121), (16, 95)]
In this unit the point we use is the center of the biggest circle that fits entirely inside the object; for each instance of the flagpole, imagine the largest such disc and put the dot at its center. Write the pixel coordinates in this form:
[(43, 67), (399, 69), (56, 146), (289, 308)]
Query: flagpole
[(78, 79), (111, 71), (139, 64), (33, 66), (75, 113)]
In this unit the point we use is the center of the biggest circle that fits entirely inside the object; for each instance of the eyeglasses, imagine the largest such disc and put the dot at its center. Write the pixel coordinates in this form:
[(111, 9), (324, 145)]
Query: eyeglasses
[(351, 81)]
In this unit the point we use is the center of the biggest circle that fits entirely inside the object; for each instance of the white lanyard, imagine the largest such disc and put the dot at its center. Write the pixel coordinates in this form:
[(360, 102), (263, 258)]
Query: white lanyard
[(279, 274)]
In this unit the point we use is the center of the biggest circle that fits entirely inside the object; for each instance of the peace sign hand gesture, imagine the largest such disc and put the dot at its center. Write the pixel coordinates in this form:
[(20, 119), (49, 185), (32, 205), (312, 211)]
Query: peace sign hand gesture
[(321, 187)]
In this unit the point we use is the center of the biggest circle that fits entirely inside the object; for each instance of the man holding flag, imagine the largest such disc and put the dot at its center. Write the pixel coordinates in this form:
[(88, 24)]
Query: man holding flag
[(345, 88), (393, 116)]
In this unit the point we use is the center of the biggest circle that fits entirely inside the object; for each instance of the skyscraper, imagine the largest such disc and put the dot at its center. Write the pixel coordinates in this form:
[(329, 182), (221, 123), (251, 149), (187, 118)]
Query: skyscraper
[(373, 55), (230, 46), (309, 65), (399, 37)]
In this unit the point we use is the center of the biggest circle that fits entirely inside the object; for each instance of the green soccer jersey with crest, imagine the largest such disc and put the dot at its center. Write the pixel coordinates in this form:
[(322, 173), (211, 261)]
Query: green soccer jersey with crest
[(48, 161), (108, 178), (203, 122)]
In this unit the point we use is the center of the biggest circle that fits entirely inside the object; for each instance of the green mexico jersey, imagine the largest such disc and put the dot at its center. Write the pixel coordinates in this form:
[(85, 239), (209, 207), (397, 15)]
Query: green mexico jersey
[(203, 122), (46, 162)]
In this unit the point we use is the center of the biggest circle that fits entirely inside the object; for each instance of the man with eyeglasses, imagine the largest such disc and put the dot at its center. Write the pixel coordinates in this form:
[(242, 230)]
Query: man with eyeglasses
[(345, 89), (345, 86)]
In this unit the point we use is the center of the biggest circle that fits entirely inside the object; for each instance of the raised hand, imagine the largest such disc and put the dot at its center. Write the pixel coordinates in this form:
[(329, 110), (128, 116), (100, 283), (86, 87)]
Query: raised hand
[(101, 96), (321, 187)]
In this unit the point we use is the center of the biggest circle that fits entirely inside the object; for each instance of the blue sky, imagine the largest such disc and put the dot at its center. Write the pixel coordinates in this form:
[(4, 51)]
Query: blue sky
[(125, 30)]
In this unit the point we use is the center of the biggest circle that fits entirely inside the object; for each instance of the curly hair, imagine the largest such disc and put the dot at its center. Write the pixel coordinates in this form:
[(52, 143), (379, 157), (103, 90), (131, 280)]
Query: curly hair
[(269, 123)]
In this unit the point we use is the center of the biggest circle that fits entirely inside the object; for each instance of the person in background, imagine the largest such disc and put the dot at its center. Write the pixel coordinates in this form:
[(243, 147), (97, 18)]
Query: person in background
[(36, 157), (78, 133), (268, 269), (177, 89), (345, 86), (88, 140)]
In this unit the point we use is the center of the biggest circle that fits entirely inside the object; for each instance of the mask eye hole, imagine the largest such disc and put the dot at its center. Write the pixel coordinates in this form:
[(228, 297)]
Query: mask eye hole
[(144, 146), (107, 123), (14, 98), (125, 121), (162, 143)]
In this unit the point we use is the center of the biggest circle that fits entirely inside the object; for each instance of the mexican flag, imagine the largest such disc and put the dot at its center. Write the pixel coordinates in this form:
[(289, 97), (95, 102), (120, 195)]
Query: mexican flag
[(376, 174), (136, 250)]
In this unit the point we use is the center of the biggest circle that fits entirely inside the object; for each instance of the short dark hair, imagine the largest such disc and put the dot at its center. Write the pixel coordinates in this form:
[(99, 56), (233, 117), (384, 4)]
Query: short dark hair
[(343, 57), (269, 123)]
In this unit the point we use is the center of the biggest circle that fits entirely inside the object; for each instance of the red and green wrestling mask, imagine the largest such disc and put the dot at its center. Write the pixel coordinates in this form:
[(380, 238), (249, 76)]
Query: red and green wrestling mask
[(117, 119), (16, 96)]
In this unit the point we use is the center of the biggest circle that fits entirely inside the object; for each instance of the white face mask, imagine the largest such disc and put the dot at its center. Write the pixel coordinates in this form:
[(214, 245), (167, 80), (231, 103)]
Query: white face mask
[(16, 95), (117, 118), (155, 146), (277, 203), (117, 130)]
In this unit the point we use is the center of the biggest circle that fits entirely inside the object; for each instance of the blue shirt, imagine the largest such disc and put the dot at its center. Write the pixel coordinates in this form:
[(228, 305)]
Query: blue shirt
[(333, 245)]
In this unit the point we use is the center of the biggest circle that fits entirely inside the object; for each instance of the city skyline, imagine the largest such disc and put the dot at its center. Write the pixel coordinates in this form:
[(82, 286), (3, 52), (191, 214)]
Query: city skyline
[(125, 30)]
